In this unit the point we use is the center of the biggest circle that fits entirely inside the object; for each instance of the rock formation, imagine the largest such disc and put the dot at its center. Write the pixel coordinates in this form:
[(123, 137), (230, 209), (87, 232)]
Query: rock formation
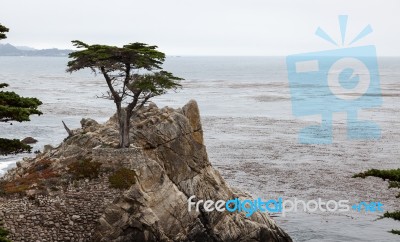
[(29, 140), (169, 163)]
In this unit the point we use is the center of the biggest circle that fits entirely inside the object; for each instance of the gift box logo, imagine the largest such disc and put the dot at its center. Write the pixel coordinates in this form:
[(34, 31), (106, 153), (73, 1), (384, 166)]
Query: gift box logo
[(345, 79)]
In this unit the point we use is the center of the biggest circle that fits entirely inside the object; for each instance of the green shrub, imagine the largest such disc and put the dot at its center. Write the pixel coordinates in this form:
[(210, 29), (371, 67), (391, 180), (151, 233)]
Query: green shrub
[(13, 146), (3, 235), (394, 184), (392, 175), (85, 169), (122, 178), (393, 231), (393, 215)]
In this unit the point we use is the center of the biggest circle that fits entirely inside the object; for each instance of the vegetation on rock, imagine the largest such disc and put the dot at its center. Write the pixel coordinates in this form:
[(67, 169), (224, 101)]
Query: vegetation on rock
[(34, 177), (13, 146), (83, 169), (393, 215), (4, 233), (123, 178), (393, 176), (393, 231)]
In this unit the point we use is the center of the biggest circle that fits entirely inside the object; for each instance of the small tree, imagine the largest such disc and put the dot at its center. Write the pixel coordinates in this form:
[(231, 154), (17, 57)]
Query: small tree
[(133, 75), (15, 108)]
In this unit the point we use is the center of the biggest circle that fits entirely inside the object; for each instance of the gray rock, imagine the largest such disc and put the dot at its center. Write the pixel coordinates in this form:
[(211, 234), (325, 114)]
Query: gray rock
[(47, 148), (174, 167), (170, 164), (89, 125), (29, 140)]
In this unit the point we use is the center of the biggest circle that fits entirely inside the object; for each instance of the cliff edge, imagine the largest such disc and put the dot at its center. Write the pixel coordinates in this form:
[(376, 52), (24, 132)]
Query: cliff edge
[(87, 190)]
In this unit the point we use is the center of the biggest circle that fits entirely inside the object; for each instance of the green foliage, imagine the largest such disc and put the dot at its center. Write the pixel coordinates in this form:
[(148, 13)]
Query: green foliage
[(156, 83), (85, 169), (122, 178), (16, 108), (394, 215), (13, 146), (133, 74), (3, 235), (118, 64), (393, 231), (3, 232), (392, 175), (394, 184), (3, 30), (135, 55)]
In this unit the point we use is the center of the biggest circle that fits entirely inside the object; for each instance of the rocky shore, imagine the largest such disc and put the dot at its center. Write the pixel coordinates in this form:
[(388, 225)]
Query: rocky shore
[(87, 190)]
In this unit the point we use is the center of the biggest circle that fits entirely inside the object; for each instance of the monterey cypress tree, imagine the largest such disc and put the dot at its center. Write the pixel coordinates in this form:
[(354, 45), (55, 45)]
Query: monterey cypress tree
[(15, 108), (133, 74)]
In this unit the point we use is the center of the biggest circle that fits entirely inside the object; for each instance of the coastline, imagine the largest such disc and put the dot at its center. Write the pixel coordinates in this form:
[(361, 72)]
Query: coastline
[(251, 138)]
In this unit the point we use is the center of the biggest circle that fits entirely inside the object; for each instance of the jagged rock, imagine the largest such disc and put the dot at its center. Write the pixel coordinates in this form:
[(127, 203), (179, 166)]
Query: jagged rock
[(170, 163), (174, 167), (89, 125), (191, 111)]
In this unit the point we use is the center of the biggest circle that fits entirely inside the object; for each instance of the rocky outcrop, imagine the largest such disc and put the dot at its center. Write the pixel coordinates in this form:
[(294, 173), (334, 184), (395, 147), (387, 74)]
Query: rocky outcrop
[(29, 140), (170, 163), (174, 167)]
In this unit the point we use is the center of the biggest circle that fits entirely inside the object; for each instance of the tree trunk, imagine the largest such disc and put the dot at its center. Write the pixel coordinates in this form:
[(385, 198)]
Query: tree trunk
[(124, 127)]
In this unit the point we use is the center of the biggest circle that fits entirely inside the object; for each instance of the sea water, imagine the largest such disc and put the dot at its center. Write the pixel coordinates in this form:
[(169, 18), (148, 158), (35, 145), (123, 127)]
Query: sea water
[(250, 133)]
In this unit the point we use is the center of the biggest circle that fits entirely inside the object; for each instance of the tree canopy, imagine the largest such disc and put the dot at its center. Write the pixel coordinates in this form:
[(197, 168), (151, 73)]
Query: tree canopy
[(15, 108), (133, 74)]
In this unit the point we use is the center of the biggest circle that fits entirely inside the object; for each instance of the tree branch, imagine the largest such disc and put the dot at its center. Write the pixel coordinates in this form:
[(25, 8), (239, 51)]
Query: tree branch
[(117, 98), (126, 81), (133, 104), (150, 95)]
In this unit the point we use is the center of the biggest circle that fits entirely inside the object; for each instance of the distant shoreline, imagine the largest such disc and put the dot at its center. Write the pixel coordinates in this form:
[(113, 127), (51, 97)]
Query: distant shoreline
[(10, 50)]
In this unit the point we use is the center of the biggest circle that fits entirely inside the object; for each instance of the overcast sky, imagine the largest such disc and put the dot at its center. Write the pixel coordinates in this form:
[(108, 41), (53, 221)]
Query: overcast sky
[(202, 27)]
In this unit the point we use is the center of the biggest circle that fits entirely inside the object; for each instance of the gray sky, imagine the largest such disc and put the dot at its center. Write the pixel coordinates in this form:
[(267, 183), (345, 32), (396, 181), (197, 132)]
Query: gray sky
[(202, 27)]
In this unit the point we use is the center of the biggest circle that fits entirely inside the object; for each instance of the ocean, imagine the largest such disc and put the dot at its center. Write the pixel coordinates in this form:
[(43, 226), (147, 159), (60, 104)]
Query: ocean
[(227, 86), (249, 129)]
